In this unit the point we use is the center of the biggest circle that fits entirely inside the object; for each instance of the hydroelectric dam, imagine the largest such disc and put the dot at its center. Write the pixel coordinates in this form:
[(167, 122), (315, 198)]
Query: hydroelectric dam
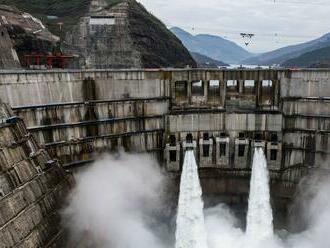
[(72, 116)]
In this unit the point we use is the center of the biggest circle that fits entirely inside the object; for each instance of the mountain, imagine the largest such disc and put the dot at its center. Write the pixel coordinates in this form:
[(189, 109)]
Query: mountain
[(316, 58), (206, 62), (284, 54), (157, 45), (212, 46), (109, 33)]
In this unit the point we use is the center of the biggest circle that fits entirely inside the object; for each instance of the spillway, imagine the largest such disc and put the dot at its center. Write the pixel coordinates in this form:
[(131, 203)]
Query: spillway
[(259, 216), (190, 225)]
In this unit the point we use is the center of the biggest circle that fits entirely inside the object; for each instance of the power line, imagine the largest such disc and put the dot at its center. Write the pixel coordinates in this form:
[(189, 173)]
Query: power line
[(227, 32), (236, 35)]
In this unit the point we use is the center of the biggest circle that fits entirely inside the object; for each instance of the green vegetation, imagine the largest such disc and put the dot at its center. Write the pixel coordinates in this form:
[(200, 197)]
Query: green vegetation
[(59, 8), (67, 12)]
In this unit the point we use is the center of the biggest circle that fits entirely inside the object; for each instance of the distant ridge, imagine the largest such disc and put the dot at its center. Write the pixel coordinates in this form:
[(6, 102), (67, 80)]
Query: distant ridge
[(206, 62), (314, 59), (280, 56), (212, 46)]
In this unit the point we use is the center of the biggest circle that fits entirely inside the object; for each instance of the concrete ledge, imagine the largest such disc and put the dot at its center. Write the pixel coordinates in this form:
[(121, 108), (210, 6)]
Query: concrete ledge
[(86, 123), (90, 103)]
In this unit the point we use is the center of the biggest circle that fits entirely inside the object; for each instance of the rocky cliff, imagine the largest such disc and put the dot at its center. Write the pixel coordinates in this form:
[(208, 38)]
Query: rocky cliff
[(32, 188), (123, 34), (102, 33), (8, 58)]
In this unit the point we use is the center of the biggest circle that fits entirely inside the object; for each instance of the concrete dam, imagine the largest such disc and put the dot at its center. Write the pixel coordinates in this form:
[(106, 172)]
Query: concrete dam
[(222, 115)]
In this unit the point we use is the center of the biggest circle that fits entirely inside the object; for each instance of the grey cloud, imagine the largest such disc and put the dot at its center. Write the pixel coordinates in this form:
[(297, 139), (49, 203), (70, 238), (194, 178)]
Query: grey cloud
[(294, 23)]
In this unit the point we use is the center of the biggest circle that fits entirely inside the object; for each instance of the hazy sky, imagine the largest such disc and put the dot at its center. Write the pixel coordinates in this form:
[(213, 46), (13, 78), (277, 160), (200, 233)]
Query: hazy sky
[(275, 25)]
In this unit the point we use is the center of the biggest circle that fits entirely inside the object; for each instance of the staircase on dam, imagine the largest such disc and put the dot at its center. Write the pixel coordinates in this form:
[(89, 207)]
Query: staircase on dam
[(32, 188), (76, 115)]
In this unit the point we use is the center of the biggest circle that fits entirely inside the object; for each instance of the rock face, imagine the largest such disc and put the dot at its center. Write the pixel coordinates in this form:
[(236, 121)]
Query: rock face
[(102, 40), (32, 187), (122, 34), (102, 33), (22, 34), (8, 58)]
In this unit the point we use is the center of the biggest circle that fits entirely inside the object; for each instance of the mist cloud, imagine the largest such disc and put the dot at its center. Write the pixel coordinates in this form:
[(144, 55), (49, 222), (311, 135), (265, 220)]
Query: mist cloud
[(116, 203), (314, 202)]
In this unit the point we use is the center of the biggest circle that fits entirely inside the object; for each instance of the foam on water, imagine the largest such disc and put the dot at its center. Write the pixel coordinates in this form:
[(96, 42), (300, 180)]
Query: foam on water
[(259, 216), (190, 226)]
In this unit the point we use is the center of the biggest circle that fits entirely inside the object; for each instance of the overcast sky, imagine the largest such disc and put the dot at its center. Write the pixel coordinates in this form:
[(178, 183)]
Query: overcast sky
[(275, 25)]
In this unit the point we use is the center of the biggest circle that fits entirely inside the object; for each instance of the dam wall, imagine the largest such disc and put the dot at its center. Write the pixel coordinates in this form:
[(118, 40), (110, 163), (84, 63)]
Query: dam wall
[(26, 88), (32, 188), (306, 102), (78, 114), (222, 114)]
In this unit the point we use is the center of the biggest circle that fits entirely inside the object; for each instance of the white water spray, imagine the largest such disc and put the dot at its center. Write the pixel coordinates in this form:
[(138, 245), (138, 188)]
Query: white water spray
[(260, 216), (190, 226)]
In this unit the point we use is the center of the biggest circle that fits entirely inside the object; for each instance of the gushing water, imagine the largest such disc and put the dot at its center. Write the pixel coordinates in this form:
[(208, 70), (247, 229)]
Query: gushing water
[(190, 226), (260, 216)]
